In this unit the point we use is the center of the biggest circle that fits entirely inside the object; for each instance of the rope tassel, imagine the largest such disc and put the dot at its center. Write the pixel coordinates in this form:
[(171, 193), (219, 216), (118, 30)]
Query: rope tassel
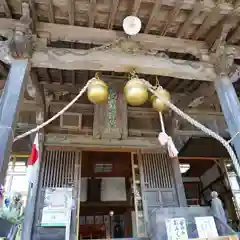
[(166, 141)]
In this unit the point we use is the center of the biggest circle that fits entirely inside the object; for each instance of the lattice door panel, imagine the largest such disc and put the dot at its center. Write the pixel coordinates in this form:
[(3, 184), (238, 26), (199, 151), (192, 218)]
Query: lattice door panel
[(158, 180), (59, 168)]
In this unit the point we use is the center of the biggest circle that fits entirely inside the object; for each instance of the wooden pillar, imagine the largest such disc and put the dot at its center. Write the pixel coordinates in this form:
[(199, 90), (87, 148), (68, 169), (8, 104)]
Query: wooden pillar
[(9, 108), (33, 192), (170, 128), (179, 183), (227, 97), (33, 188)]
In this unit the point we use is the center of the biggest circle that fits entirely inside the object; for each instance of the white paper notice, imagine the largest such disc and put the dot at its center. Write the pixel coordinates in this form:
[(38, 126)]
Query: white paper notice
[(206, 227), (176, 229)]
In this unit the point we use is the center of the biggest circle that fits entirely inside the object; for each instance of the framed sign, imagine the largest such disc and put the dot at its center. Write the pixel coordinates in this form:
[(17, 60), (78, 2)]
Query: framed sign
[(57, 207), (176, 229), (206, 227)]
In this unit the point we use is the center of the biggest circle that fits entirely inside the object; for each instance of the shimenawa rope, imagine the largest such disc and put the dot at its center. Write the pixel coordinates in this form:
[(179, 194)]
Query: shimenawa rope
[(152, 89)]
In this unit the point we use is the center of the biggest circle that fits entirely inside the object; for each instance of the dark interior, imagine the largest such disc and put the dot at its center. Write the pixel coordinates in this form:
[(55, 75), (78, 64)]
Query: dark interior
[(100, 219)]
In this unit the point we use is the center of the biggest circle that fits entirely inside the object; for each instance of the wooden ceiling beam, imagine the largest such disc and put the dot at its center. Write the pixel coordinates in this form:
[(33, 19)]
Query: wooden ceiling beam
[(61, 77), (71, 12), (32, 6), (51, 11), (6, 8), (153, 16), (172, 16), (70, 140), (136, 7), (60, 32), (55, 32), (113, 13), (73, 59), (218, 34), (187, 4), (197, 9), (212, 16), (92, 13)]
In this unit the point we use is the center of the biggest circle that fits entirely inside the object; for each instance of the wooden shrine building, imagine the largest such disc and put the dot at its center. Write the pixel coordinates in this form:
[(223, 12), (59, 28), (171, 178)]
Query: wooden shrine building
[(49, 49)]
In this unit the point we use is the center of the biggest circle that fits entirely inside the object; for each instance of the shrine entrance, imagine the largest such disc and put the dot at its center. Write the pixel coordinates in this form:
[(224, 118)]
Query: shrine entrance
[(106, 196), (120, 189)]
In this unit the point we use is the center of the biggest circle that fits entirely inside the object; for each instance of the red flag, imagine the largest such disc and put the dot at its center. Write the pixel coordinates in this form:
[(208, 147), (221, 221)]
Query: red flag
[(33, 162)]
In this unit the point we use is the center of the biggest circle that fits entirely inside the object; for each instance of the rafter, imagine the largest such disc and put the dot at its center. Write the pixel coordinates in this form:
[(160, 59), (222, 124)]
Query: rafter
[(71, 12), (212, 16), (197, 9), (60, 76), (174, 13), (92, 12), (7, 10), (32, 7), (153, 16), (55, 32), (51, 11), (113, 13), (219, 33), (136, 7)]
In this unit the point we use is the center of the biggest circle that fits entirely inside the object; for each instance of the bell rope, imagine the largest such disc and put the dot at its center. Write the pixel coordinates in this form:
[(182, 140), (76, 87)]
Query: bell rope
[(166, 141)]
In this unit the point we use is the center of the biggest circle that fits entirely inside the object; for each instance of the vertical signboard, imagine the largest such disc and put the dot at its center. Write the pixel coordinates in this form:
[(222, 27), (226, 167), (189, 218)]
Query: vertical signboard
[(176, 229)]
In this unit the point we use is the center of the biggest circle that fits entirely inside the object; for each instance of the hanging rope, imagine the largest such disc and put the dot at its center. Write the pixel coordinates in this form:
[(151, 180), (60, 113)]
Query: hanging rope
[(165, 140), (198, 125), (55, 116), (152, 89)]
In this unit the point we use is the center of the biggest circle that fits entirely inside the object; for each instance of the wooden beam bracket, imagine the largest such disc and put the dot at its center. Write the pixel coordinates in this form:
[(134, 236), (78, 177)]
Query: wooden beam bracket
[(223, 61), (20, 44)]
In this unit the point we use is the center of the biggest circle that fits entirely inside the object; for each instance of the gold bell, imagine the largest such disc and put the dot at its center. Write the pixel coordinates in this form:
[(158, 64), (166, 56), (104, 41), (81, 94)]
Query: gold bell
[(157, 104), (97, 91), (135, 92)]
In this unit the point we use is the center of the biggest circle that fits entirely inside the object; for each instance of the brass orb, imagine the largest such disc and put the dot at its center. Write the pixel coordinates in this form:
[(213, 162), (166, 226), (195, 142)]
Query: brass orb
[(135, 92), (97, 91), (157, 104)]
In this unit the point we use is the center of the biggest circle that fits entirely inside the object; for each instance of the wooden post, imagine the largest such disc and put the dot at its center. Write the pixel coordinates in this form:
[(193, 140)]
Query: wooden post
[(33, 189), (170, 128), (179, 183), (9, 108), (228, 98)]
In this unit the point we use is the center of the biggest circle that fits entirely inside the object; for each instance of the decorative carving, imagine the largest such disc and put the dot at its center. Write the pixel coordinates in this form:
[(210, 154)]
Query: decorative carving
[(111, 128), (223, 61), (20, 43), (112, 109), (121, 45)]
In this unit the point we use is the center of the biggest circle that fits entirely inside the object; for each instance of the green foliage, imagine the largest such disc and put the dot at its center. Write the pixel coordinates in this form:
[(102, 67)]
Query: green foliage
[(12, 216), (13, 211)]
